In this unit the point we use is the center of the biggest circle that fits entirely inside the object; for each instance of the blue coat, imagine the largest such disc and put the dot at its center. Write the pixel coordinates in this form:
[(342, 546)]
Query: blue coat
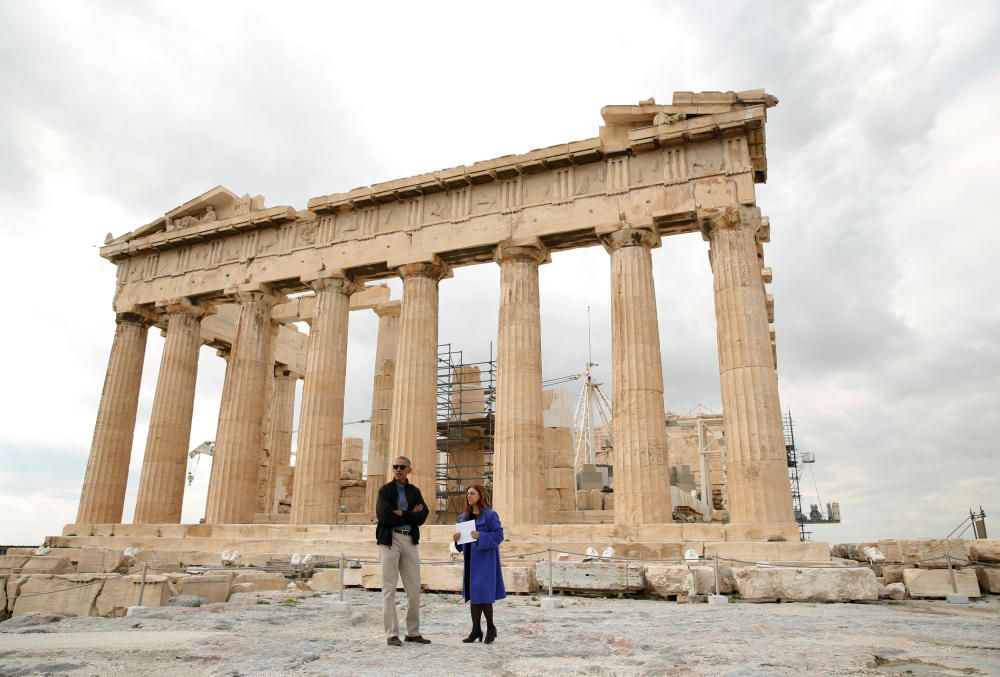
[(482, 582)]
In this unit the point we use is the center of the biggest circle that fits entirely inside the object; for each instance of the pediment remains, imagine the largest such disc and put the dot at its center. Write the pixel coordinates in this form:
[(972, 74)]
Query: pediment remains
[(217, 204)]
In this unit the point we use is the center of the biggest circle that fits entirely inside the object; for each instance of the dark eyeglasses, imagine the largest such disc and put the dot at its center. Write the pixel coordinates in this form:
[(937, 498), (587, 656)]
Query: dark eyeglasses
[(400, 467)]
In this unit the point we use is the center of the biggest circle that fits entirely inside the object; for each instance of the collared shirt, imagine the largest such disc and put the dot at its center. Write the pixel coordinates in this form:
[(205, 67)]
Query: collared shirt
[(401, 493)]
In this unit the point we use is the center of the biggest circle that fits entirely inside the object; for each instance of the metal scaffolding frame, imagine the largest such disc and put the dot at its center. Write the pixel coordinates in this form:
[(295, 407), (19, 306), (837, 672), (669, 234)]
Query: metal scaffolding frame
[(462, 422)]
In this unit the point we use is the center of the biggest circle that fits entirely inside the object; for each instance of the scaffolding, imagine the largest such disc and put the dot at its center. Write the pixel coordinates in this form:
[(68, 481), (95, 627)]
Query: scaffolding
[(793, 473), (466, 402)]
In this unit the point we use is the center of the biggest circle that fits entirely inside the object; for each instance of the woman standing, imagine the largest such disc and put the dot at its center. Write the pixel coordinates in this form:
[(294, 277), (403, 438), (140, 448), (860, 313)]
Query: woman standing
[(482, 581)]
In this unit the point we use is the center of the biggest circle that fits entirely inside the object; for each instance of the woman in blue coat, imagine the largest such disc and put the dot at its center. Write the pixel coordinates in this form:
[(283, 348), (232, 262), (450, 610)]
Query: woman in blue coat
[(482, 582)]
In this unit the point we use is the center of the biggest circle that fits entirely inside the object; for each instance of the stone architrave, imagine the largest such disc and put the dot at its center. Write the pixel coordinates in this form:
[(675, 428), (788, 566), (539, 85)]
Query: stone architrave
[(102, 500), (641, 479), (412, 432), (232, 487), (757, 462), (381, 417), (282, 415), (161, 486), (316, 499), (518, 460)]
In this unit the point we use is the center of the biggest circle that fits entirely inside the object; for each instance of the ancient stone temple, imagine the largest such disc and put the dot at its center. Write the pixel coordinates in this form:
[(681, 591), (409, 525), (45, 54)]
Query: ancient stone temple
[(235, 273)]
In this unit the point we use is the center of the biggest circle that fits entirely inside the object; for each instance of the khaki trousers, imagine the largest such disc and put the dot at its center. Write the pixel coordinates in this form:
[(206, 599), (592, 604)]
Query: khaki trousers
[(400, 560)]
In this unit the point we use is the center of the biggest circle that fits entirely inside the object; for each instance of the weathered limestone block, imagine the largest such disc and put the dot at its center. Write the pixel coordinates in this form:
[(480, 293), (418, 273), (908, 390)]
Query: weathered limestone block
[(3, 595), (806, 585), (11, 588), (46, 564), (213, 587), (560, 500), (985, 550), (590, 500), (119, 594), (892, 591), (669, 580), (936, 583), (779, 551), (101, 561), (596, 576), (704, 580), (262, 580), (929, 553), (328, 580), (893, 573), (989, 579), (441, 577), (12, 564), (65, 593), (241, 587), (854, 551), (520, 578)]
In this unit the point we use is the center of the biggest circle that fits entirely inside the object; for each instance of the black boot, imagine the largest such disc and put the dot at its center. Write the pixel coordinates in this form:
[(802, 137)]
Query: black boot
[(491, 630), (477, 631)]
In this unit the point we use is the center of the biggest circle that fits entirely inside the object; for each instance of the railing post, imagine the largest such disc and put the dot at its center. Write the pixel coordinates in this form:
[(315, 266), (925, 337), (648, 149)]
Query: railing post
[(717, 598), (954, 597), (340, 604), (341, 577), (142, 583), (550, 602)]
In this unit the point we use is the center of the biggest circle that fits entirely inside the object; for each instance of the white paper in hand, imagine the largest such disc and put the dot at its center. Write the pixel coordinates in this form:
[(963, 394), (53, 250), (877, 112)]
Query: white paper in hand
[(465, 530)]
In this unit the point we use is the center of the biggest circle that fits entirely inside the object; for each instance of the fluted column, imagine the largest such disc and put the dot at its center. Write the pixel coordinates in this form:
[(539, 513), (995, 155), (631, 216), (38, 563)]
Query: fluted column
[(282, 415), (518, 464), (639, 434), (413, 431), (103, 497), (316, 499), (385, 368), (161, 486), (232, 487), (758, 487)]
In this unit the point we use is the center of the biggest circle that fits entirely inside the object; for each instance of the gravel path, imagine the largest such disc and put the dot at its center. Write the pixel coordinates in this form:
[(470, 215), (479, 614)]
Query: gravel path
[(288, 633)]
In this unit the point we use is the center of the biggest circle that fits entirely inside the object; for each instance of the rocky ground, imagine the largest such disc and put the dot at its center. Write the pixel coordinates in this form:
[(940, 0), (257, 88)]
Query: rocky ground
[(298, 633)]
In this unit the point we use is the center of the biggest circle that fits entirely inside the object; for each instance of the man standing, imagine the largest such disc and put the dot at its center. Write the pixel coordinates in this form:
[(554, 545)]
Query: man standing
[(401, 510)]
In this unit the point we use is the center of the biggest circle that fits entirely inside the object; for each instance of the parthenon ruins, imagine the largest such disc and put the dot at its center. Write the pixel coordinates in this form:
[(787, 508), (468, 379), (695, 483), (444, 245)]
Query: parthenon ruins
[(234, 273)]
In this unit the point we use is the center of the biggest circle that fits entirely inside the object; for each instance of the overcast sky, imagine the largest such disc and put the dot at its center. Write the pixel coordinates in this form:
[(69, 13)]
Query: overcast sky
[(883, 158)]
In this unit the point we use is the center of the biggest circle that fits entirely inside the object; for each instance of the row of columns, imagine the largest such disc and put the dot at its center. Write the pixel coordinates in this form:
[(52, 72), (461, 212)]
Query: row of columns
[(404, 399)]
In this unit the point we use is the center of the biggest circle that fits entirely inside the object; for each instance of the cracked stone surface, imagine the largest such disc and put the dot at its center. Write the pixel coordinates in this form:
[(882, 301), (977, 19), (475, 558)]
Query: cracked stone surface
[(299, 634)]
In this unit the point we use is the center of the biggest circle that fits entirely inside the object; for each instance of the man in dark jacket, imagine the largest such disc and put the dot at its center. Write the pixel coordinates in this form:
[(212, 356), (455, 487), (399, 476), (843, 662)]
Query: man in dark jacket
[(401, 510)]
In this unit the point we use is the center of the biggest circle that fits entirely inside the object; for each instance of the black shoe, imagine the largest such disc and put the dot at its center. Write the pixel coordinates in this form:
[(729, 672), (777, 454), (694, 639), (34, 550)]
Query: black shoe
[(393, 641), (491, 634), (419, 639), (477, 633)]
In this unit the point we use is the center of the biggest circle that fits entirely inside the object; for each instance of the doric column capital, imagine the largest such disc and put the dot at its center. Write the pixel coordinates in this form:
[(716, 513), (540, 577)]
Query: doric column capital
[(141, 317), (435, 269), (531, 251), (733, 216), (388, 309), (331, 280), (185, 306), (631, 237), (281, 370)]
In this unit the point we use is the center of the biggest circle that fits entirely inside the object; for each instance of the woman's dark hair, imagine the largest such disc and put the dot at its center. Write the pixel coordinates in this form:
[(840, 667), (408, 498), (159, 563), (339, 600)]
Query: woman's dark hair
[(484, 501)]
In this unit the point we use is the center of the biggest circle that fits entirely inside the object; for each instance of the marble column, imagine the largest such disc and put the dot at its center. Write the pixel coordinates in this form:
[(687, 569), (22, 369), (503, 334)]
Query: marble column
[(232, 486), (385, 368), (316, 499), (639, 434), (161, 486), (413, 431), (518, 463), (758, 486), (103, 497), (282, 416)]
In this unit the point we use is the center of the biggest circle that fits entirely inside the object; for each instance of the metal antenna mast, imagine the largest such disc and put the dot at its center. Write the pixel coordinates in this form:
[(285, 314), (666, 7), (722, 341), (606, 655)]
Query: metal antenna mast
[(593, 410)]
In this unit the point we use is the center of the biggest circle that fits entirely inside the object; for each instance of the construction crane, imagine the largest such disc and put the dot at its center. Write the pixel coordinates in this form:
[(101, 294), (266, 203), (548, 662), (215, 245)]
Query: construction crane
[(206, 448)]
